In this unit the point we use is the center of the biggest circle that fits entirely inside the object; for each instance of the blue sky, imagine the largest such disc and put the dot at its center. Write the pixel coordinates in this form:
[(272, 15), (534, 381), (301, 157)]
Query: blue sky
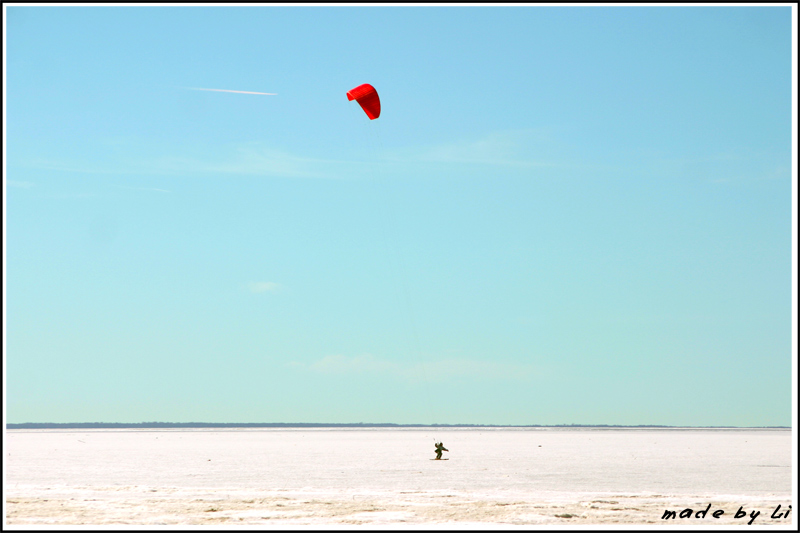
[(563, 215)]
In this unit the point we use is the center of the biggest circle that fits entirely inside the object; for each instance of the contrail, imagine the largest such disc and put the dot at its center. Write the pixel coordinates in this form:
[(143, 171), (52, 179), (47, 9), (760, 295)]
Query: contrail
[(227, 91)]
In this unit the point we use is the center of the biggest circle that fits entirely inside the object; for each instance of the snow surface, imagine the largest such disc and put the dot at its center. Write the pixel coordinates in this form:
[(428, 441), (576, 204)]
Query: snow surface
[(385, 477)]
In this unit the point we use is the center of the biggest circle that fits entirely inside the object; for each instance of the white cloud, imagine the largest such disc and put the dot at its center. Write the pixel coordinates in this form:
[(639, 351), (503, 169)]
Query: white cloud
[(263, 286), (151, 189), (725, 167), (20, 184), (516, 148), (512, 148), (504, 148), (258, 160), (337, 364), (483, 368), (252, 159), (418, 371), (63, 165)]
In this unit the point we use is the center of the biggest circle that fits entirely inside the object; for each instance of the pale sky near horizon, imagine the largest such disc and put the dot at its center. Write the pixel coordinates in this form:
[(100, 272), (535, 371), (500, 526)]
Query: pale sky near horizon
[(563, 215)]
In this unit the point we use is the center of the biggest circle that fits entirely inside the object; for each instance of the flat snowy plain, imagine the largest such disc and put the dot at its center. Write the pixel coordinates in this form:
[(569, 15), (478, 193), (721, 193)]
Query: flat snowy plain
[(385, 478)]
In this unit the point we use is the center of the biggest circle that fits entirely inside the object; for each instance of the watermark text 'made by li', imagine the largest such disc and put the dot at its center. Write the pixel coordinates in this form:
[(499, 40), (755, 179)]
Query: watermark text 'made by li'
[(741, 513)]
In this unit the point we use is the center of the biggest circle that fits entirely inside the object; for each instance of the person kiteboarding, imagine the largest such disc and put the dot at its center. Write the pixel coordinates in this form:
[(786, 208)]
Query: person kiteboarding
[(439, 449)]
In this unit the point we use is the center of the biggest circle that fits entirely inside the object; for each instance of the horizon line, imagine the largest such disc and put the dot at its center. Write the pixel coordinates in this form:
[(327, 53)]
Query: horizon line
[(104, 425)]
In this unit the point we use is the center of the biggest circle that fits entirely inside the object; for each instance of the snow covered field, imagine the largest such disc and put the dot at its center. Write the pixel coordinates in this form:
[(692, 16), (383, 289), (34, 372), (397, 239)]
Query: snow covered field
[(385, 477)]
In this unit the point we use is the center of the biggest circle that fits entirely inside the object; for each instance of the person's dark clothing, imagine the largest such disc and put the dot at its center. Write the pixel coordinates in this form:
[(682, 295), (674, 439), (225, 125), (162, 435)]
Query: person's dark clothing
[(439, 449)]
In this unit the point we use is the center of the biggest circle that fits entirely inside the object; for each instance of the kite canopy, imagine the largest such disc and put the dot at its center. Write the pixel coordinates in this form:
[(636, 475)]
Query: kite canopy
[(367, 98)]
